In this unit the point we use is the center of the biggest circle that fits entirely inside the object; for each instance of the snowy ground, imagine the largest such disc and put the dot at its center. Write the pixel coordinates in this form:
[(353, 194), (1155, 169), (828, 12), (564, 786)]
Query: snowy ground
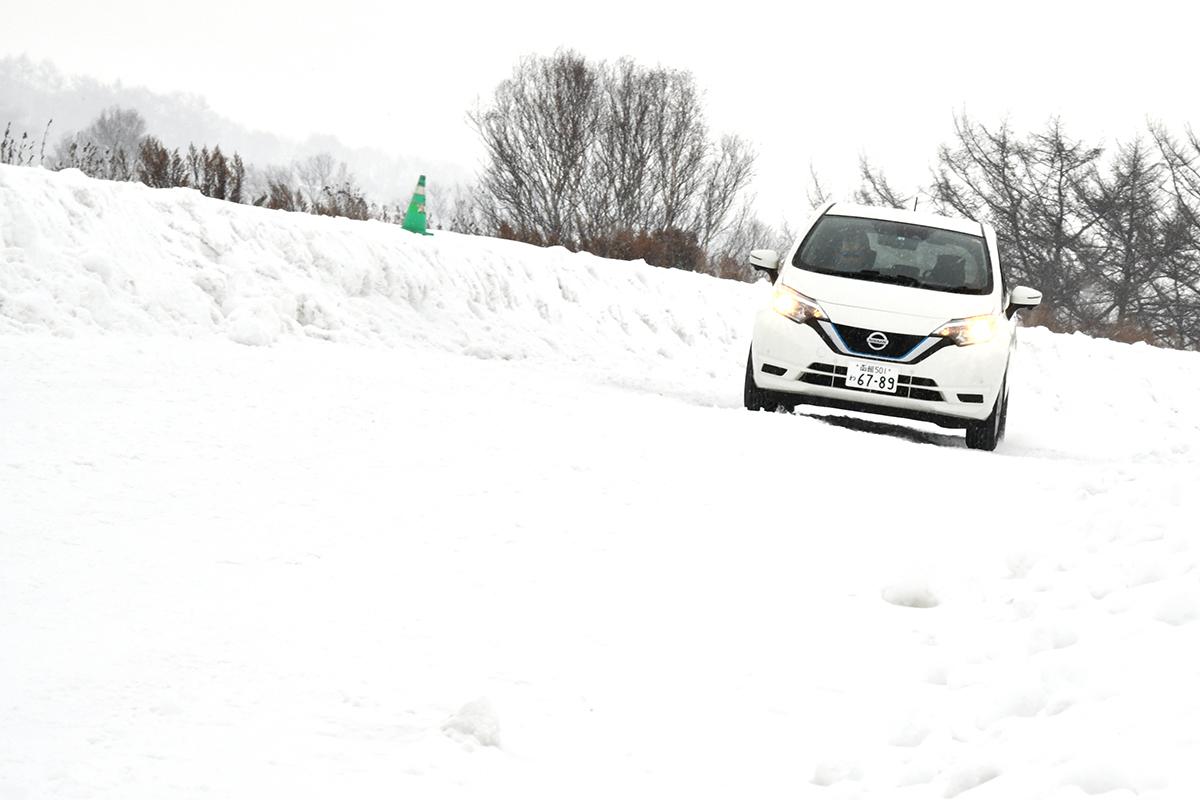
[(451, 538)]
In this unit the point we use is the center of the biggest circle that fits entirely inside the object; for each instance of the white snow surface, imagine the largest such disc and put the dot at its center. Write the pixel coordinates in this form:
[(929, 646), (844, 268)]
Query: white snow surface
[(305, 508)]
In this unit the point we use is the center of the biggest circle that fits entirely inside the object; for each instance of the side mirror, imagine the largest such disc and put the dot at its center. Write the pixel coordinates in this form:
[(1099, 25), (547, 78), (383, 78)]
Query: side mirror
[(766, 261), (1022, 297)]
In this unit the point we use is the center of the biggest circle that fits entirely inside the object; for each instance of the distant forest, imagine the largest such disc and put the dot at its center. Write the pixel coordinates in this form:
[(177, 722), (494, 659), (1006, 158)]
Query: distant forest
[(618, 159)]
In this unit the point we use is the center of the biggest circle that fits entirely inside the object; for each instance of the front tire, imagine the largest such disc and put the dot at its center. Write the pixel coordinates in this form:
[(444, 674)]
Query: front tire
[(988, 433), (754, 398)]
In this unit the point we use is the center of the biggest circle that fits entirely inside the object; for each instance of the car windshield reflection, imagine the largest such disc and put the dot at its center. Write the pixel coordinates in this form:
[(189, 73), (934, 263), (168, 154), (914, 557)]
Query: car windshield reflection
[(897, 253)]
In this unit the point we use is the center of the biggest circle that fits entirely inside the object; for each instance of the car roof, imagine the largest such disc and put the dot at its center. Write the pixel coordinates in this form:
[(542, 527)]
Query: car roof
[(957, 224)]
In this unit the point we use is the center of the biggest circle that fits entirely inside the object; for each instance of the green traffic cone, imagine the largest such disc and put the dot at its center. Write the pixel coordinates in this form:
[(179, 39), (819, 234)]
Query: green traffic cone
[(414, 219)]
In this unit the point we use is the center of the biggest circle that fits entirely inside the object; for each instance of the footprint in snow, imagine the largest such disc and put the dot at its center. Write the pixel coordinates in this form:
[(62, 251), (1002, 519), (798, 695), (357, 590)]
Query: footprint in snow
[(911, 735), (1096, 778), (827, 773), (969, 778), (1051, 637), (1020, 563), (474, 724), (910, 594), (1178, 608)]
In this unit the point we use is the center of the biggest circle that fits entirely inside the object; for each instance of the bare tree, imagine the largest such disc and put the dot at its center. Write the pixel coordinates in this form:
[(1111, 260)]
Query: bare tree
[(618, 186), (117, 130), (1172, 310), (1182, 161), (454, 208), (596, 156), (978, 177), (194, 165), (237, 179), (1140, 245), (315, 173), (680, 146), (154, 164), (875, 189), (1177, 298), (275, 188), (1031, 190), (216, 174), (114, 138), (724, 176), (537, 135), (815, 193), (1058, 222)]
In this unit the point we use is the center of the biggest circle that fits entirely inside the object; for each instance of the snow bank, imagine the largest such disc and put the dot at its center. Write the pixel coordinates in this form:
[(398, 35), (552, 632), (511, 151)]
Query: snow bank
[(82, 256)]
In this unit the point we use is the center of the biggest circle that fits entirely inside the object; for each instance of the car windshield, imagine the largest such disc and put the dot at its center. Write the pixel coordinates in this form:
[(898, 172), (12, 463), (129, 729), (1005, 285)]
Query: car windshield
[(897, 252)]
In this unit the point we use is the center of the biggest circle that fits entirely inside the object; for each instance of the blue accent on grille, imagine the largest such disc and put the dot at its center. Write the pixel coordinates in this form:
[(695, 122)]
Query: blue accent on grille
[(850, 349)]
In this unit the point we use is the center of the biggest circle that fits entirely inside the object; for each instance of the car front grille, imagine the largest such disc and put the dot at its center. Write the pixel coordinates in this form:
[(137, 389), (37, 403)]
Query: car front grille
[(855, 339), (912, 386)]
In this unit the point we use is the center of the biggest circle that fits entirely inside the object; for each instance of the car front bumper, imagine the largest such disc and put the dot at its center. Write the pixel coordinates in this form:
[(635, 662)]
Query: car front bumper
[(950, 385)]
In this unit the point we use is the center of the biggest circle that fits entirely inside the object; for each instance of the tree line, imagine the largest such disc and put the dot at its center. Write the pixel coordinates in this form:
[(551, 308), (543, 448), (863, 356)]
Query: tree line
[(116, 146)]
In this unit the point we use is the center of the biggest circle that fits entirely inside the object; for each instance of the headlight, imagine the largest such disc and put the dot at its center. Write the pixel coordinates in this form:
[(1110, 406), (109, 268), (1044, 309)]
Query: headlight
[(972, 330), (796, 306)]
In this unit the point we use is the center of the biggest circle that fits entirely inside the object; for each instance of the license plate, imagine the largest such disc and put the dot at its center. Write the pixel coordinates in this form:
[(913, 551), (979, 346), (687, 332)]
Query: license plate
[(871, 377)]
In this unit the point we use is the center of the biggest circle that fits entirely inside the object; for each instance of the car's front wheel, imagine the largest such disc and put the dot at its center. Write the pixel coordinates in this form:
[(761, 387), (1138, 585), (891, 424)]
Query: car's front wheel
[(754, 397), (988, 433)]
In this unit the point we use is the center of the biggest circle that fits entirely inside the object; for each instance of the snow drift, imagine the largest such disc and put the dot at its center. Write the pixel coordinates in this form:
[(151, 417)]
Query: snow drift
[(89, 256)]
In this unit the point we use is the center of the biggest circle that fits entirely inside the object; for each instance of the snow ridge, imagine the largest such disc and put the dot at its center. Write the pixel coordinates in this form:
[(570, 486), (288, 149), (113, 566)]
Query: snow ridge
[(83, 255)]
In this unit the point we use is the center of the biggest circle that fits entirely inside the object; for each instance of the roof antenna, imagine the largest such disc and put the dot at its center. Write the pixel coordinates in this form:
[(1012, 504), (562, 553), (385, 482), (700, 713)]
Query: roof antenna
[(915, 199)]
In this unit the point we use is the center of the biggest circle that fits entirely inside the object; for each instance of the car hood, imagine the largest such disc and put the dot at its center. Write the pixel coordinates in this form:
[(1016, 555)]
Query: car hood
[(903, 309)]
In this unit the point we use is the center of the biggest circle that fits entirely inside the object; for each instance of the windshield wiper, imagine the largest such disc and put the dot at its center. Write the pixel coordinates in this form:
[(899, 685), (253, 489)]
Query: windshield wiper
[(883, 277)]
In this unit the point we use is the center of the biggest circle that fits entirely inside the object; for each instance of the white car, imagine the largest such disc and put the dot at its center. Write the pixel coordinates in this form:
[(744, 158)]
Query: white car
[(890, 312)]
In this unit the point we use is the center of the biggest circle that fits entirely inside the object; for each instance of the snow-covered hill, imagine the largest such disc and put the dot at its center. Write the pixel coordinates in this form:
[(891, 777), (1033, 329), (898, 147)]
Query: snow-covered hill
[(84, 256), (481, 518)]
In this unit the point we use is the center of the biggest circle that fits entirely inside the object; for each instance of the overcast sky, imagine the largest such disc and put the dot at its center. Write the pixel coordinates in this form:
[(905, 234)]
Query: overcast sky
[(818, 85)]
